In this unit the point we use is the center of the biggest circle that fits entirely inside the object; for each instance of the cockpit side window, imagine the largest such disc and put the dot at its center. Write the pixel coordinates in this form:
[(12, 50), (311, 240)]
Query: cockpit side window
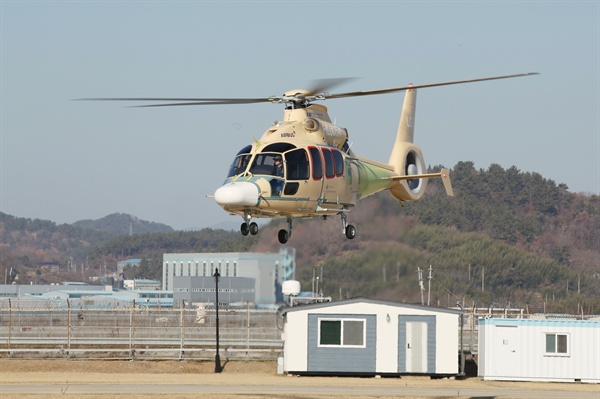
[(264, 164)]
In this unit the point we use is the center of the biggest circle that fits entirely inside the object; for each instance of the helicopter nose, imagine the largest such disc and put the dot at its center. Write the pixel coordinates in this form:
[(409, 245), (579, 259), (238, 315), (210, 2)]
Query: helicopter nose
[(237, 194)]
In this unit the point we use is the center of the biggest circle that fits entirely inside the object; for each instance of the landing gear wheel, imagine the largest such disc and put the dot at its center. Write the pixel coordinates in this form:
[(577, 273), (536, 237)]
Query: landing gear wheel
[(350, 232), (283, 236), (244, 229), (253, 228)]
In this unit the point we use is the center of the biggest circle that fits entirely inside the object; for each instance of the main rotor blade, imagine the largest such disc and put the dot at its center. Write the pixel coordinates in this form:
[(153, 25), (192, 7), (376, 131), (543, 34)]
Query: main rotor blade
[(187, 101), (395, 89), (317, 92), (322, 85)]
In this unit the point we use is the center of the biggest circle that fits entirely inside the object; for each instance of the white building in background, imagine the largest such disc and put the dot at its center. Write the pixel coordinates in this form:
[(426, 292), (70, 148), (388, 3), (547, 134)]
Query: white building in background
[(181, 272), (539, 350), (141, 284)]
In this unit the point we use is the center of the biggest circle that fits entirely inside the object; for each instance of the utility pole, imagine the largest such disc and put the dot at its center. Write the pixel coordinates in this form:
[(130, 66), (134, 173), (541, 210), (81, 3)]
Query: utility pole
[(482, 278), (429, 285), (421, 288), (469, 273)]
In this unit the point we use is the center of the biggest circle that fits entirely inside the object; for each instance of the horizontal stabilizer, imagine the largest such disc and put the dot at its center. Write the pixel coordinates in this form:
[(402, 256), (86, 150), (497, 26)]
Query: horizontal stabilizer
[(444, 174)]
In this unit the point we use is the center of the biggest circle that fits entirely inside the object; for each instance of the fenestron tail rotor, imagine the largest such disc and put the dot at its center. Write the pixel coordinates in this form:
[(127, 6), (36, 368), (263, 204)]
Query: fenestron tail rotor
[(296, 98)]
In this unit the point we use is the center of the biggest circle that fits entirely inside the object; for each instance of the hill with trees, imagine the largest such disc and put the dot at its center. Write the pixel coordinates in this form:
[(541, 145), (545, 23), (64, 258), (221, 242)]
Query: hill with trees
[(506, 238), (123, 224)]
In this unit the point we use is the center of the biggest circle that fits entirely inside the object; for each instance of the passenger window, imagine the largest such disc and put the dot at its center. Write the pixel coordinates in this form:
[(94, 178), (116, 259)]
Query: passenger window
[(339, 162), (317, 167), (329, 165)]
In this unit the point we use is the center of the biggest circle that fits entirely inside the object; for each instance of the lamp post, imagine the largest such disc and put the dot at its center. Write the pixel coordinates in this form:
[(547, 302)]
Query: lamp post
[(216, 275)]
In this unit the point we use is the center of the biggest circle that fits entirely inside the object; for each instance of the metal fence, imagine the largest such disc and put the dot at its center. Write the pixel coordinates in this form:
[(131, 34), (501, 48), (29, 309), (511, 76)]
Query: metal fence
[(84, 329), (138, 332)]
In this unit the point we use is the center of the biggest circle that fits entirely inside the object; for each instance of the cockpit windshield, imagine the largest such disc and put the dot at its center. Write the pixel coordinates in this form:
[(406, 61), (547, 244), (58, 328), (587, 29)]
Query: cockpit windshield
[(240, 163)]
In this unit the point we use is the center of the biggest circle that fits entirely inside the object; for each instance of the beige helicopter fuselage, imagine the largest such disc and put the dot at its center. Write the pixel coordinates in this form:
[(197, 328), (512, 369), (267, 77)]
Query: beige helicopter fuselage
[(321, 175)]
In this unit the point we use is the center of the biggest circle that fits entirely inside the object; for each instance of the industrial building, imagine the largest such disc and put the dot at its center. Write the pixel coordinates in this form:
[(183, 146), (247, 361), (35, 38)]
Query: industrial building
[(21, 290), (245, 276), (369, 337), (565, 350)]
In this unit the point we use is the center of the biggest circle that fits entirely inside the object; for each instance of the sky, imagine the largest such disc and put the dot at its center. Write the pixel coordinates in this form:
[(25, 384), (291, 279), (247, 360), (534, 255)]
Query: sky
[(64, 160)]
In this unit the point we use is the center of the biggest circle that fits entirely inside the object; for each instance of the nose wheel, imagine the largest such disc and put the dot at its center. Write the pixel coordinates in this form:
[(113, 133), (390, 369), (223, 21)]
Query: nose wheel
[(248, 227)]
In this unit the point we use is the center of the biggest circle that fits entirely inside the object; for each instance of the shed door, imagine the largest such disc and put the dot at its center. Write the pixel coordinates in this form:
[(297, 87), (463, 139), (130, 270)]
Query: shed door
[(506, 355), (416, 344), (416, 347)]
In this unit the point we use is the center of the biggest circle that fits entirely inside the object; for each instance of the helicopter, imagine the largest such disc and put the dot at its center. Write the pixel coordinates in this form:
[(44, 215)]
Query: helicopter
[(303, 165)]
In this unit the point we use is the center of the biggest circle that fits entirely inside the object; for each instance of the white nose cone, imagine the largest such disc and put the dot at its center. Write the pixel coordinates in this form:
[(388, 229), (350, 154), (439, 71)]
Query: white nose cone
[(237, 194)]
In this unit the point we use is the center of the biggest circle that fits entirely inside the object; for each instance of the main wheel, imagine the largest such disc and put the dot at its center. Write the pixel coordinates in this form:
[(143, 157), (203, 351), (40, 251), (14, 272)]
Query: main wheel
[(283, 236), (244, 229), (253, 228), (350, 232)]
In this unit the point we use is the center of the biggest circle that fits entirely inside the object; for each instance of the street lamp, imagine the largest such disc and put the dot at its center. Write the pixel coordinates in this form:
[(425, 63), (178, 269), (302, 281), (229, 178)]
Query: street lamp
[(218, 367)]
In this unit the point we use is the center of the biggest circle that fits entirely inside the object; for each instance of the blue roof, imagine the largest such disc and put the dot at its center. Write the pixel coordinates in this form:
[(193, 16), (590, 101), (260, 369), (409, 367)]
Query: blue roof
[(539, 322)]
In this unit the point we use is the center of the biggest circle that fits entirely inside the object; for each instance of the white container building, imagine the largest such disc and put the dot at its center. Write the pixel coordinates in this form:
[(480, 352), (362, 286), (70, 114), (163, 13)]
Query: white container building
[(539, 350)]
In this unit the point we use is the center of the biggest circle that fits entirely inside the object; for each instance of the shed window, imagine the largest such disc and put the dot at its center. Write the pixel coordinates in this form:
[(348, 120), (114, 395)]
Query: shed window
[(557, 344), (342, 333)]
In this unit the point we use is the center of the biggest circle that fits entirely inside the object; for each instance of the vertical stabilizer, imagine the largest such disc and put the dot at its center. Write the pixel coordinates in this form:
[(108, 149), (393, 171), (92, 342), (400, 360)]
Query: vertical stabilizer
[(406, 132), (406, 157), (406, 128)]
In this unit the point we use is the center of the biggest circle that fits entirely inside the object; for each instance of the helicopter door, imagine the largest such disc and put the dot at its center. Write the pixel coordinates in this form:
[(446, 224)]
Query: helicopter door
[(352, 179), (331, 189), (317, 174), (297, 170)]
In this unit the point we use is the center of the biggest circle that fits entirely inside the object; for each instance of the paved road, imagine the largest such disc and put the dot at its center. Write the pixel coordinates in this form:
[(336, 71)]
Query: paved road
[(282, 391)]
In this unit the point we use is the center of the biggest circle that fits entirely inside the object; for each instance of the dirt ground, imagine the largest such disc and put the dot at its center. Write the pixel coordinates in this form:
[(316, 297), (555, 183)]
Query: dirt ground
[(254, 373)]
